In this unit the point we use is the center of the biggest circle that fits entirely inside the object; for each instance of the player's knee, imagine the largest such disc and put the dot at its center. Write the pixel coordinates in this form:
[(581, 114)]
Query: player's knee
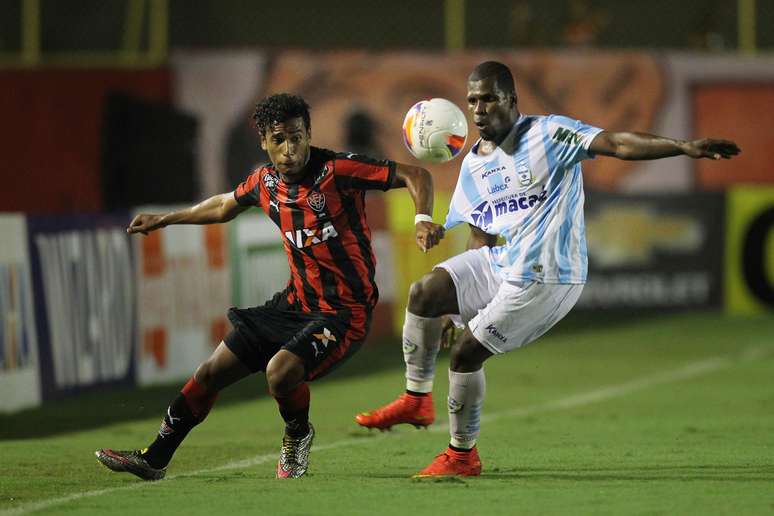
[(423, 298), (205, 375), (467, 356), (283, 376)]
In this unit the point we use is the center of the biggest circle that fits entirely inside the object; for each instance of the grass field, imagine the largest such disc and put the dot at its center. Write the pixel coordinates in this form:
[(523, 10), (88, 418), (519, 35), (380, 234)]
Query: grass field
[(669, 415)]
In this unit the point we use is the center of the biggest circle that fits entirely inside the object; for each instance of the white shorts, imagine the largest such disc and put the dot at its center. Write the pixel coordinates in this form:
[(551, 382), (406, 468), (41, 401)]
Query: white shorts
[(504, 315)]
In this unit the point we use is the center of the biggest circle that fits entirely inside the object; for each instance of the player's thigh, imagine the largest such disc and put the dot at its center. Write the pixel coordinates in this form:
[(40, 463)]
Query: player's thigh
[(475, 279), (520, 313), (221, 369), (433, 295)]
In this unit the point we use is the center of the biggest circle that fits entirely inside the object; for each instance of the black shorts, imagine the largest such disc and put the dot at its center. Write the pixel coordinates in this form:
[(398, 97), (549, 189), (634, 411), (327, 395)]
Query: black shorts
[(322, 340)]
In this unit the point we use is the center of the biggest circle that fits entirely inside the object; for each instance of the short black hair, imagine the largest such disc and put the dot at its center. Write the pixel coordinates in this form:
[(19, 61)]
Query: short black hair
[(499, 71), (280, 108)]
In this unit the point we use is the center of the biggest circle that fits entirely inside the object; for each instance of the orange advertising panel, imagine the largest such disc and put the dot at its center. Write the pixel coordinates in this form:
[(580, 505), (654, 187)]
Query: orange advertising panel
[(613, 90), (743, 113)]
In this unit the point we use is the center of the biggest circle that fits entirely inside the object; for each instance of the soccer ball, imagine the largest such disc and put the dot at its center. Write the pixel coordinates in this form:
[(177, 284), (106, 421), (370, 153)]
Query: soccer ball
[(435, 130)]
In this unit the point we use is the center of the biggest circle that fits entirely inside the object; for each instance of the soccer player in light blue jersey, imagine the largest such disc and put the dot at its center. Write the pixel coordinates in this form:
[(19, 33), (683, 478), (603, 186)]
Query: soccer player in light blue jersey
[(521, 180)]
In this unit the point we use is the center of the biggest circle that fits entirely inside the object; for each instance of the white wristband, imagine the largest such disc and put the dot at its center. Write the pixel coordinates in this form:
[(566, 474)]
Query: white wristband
[(421, 217)]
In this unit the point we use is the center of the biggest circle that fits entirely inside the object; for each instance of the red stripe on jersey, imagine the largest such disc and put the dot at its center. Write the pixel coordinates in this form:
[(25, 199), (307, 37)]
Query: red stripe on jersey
[(246, 189), (361, 170)]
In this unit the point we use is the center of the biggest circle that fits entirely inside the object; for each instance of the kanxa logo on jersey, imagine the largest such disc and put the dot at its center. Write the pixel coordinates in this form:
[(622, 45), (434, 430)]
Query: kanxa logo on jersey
[(306, 237), (489, 172)]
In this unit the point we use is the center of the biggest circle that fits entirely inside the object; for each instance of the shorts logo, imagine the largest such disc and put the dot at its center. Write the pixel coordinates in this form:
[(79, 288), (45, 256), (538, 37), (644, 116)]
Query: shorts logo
[(270, 181), (455, 406), (316, 200), (165, 429), (409, 347), (322, 340), (482, 215), (496, 333)]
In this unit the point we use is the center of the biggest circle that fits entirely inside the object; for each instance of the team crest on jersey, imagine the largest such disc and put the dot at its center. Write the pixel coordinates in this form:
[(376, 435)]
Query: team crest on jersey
[(482, 215), (524, 174), (316, 200), (270, 181)]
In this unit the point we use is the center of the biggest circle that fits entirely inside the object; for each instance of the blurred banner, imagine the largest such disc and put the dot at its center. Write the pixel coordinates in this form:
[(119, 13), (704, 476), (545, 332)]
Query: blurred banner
[(359, 99), (259, 266), (183, 293), (84, 301), (19, 380), (749, 271), (51, 140), (654, 251)]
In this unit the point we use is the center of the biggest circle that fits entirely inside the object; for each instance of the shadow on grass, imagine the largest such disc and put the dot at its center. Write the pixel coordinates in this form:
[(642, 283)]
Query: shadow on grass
[(686, 473), (107, 407)]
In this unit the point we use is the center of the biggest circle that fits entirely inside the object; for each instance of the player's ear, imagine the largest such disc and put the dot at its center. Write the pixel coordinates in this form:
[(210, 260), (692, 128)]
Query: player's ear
[(262, 138)]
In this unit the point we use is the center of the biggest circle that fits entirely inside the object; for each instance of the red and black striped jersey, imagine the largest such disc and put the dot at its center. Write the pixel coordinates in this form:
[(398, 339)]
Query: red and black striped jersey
[(323, 226)]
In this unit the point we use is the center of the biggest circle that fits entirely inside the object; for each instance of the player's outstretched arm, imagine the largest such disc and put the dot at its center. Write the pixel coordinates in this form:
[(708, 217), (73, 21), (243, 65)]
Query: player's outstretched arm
[(641, 146), (218, 208), (420, 186)]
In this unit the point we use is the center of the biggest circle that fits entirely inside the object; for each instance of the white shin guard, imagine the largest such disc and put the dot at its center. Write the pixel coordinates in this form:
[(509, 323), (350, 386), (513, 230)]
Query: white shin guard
[(466, 396), (421, 340)]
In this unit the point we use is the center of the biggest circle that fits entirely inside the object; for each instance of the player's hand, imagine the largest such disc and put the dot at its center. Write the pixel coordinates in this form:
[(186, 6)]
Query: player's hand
[(712, 149), (145, 223), (448, 333), (428, 235)]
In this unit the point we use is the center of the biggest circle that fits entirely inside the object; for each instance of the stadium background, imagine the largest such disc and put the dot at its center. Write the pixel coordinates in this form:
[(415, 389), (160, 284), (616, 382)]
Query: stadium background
[(110, 108)]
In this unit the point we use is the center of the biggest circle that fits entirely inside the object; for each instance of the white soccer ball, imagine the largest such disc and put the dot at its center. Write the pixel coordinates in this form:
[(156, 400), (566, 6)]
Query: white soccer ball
[(435, 130)]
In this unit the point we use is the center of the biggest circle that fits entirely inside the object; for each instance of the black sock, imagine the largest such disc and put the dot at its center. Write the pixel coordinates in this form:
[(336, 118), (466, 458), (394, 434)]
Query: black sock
[(177, 422), (296, 422), (420, 394), (459, 450)]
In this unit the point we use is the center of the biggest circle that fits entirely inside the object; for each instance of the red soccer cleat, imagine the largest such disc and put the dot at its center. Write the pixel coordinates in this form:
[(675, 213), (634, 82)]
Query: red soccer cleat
[(452, 463), (415, 410)]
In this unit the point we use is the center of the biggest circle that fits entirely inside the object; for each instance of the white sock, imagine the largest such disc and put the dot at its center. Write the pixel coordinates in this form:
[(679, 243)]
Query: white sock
[(466, 396), (421, 340)]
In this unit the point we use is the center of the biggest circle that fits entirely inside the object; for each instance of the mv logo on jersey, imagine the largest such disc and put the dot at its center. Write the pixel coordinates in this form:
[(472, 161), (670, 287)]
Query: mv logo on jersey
[(564, 135), (306, 237)]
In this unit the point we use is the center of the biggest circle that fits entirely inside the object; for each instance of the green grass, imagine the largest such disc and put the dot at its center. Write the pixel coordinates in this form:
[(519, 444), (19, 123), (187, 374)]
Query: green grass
[(671, 415)]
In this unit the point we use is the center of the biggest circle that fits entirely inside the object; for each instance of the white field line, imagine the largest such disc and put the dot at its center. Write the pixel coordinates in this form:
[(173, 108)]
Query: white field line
[(686, 372)]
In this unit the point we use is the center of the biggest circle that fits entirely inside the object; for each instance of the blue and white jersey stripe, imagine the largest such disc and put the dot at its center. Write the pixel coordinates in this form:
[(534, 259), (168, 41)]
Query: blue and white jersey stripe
[(530, 191)]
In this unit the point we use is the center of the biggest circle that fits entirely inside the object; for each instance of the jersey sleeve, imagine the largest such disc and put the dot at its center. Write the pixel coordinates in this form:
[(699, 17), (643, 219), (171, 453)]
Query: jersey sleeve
[(248, 191), (458, 206), (568, 140), (356, 172)]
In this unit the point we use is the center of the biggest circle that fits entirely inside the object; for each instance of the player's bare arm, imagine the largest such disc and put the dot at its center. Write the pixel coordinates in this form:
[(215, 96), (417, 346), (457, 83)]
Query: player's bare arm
[(479, 238), (420, 187), (218, 208), (643, 146)]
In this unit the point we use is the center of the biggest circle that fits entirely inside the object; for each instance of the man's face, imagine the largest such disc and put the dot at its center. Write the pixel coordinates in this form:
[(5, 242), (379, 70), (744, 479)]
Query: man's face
[(287, 144), (494, 111)]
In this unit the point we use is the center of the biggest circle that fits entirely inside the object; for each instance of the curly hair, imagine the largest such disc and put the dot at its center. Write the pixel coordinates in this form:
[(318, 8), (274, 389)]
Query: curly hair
[(280, 108)]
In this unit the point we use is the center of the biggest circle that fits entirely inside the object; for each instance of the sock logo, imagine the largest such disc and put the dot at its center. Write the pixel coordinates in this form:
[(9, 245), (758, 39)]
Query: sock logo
[(455, 406), (408, 346), (165, 430)]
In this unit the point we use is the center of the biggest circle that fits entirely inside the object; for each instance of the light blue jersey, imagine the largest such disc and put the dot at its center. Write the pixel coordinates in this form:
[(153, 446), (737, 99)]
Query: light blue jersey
[(530, 191)]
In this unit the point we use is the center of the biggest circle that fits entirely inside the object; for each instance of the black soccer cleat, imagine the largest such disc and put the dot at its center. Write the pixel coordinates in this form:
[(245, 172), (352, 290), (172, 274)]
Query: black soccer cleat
[(130, 461)]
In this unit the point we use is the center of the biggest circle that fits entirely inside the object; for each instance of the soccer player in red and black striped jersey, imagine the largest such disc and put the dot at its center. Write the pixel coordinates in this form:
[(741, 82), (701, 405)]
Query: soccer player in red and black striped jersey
[(316, 198)]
